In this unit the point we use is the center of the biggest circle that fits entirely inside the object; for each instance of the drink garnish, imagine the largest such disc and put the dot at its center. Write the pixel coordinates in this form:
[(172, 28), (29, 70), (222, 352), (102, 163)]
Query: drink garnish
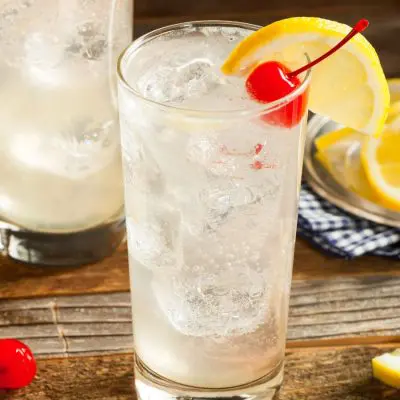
[(271, 81), (349, 87)]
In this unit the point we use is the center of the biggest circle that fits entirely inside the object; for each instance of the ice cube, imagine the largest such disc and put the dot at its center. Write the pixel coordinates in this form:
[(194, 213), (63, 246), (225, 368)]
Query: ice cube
[(88, 41), (150, 243), (223, 195), (43, 49), (80, 150), (202, 149), (177, 81), (87, 138), (214, 301)]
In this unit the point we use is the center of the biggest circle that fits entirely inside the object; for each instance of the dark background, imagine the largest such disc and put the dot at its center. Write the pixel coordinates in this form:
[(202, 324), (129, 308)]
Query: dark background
[(384, 15)]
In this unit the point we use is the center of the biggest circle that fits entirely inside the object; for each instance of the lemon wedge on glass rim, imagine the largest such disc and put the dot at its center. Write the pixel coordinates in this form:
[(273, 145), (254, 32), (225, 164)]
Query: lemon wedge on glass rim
[(349, 86)]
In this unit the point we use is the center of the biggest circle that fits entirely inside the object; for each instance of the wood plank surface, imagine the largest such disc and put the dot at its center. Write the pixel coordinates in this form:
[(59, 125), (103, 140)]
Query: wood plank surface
[(22, 280), (111, 275), (325, 374), (347, 307)]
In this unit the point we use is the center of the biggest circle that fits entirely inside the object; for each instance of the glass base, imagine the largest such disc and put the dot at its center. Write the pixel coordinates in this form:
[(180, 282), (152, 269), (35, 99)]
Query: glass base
[(64, 249), (150, 386)]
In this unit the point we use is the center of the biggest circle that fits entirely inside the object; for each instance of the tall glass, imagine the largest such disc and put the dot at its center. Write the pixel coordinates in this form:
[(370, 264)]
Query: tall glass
[(61, 191), (211, 190)]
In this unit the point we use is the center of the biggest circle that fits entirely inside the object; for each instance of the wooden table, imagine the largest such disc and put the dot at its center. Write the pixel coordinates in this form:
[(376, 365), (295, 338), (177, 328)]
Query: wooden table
[(342, 313), (78, 322)]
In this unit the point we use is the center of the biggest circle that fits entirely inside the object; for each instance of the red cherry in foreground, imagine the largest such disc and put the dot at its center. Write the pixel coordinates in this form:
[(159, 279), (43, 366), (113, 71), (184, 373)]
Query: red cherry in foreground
[(271, 81), (17, 365)]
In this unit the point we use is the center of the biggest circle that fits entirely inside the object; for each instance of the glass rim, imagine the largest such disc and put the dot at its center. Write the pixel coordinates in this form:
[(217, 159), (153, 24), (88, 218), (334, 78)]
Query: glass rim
[(256, 110)]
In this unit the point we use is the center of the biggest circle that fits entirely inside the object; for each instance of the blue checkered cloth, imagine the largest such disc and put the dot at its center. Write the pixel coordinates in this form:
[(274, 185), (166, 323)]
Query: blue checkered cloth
[(341, 234)]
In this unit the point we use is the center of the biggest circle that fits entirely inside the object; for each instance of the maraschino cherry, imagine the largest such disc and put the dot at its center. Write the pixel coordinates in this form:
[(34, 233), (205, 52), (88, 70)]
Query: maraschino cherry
[(17, 365), (272, 80)]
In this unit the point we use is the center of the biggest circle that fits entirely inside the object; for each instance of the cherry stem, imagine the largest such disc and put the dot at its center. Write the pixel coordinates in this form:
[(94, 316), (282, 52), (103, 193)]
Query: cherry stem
[(360, 26)]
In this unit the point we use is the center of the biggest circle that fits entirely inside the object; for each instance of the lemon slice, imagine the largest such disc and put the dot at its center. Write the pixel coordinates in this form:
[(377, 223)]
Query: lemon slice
[(334, 138), (357, 180), (386, 368), (332, 149), (381, 160), (393, 116), (394, 112), (339, 153), (394, 89), (349, 86)]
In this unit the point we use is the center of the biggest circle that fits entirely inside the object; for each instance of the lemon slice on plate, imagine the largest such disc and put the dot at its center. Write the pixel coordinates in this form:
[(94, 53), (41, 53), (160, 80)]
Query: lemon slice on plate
[(331, 150), (394, 88), (349, 86), (386, 368), (393, 113), (381, 160), (338, 152), (356, 177), (393, 117)]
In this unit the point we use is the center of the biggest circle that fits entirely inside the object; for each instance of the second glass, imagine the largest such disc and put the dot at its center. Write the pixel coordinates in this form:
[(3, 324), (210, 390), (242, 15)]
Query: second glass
[(61, 196), (211, 191)]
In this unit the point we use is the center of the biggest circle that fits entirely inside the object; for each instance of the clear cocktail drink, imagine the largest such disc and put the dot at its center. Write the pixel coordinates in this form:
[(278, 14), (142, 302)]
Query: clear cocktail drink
[(211, 188), (60, 172)]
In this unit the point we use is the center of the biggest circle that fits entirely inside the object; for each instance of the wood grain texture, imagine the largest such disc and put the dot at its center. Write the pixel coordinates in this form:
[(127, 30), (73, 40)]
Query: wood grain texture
[(111, 275), (21, 280), (326, 374), (333, 309)]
